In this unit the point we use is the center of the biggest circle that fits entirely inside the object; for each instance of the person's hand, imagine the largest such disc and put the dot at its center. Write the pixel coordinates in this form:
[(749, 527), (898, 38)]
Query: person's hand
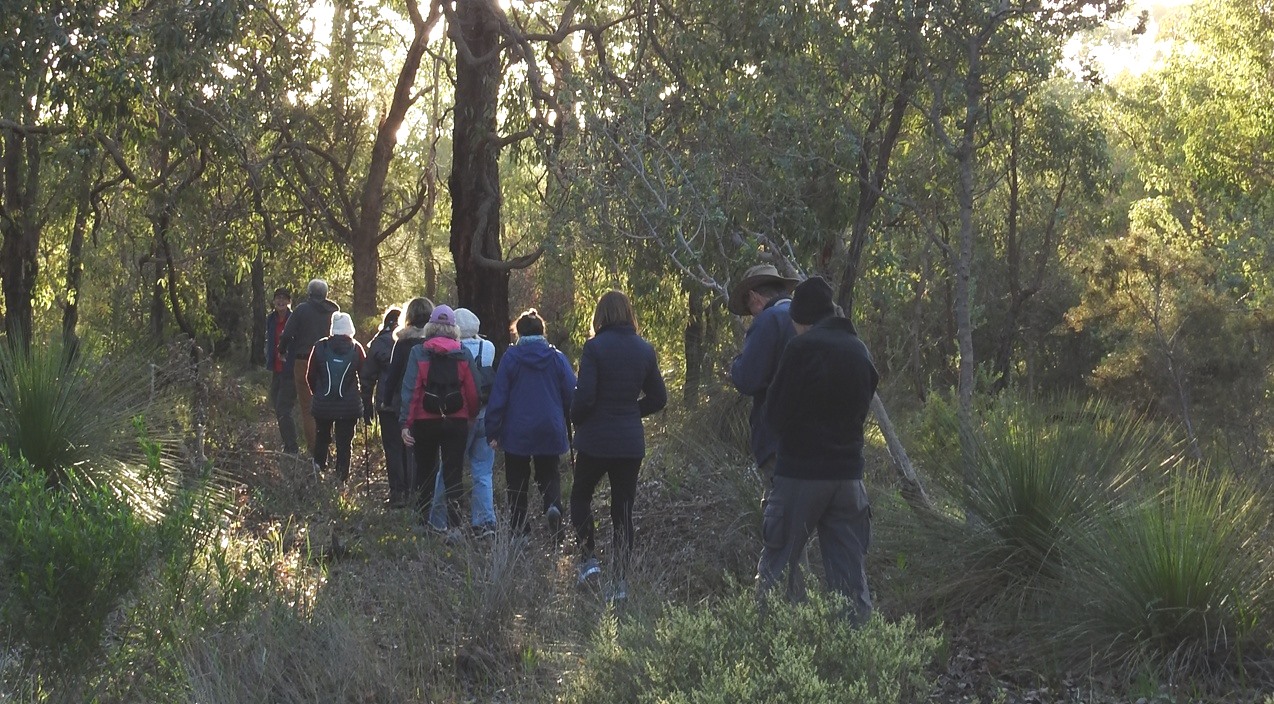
[(495, 444), (408, 440)]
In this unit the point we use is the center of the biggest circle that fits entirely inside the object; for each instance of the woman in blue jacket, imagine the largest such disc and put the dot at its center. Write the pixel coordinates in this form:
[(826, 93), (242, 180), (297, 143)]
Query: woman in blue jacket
[(619, 384), (526, 418)]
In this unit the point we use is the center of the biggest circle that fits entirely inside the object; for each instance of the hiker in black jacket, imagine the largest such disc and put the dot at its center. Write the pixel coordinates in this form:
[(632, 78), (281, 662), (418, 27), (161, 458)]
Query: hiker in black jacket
[(817, 406), (375, 375), (399, 459), (619, 384), (333, 367), (308, 323)]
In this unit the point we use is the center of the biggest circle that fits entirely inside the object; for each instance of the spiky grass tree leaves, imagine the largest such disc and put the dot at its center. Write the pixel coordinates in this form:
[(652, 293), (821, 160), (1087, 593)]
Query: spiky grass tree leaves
[(72, 414), (1042, 471), (1178, 577)]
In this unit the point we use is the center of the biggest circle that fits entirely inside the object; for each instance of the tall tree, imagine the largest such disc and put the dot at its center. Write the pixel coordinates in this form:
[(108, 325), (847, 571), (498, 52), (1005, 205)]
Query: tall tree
[(348, 195)]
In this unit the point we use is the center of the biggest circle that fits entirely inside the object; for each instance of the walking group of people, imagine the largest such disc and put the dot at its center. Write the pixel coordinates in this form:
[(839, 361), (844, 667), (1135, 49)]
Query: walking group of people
[(442, 400)]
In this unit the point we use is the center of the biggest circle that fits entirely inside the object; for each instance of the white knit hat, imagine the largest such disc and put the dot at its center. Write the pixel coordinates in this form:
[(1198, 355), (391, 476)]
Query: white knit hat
[(468, 323), (342, 324)]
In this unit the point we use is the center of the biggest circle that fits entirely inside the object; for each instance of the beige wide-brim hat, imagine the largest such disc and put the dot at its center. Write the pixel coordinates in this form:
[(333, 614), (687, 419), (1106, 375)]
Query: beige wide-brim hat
[(756, 276)]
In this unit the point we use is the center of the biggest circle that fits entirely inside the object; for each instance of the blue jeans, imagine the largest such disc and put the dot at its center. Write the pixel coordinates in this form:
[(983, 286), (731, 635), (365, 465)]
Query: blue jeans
[(481, 459)]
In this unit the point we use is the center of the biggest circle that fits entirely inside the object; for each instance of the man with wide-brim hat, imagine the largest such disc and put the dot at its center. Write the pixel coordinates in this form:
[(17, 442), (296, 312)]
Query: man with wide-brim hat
[(765, 295)]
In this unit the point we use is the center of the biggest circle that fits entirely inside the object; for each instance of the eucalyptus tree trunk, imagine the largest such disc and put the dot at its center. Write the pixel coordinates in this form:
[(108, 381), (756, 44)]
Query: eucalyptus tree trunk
[(475, 173), (966, 153), (696, 340), (19, 261), (365, 234)]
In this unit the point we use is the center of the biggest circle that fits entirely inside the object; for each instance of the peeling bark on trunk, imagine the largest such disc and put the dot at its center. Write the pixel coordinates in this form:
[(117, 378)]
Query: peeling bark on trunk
[(475, 174)]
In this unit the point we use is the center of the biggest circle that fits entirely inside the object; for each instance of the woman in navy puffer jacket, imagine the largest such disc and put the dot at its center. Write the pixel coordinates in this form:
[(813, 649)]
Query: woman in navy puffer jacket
[(526, 418), (619, 384)]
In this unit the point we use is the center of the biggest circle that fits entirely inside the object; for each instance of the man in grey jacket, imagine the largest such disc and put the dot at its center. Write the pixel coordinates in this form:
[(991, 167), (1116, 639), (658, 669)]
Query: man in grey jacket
[(309, 323)]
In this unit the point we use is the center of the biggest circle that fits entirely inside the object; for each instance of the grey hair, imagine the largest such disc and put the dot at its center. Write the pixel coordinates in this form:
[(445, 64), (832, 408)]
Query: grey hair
[(317, 288), (442, 330)]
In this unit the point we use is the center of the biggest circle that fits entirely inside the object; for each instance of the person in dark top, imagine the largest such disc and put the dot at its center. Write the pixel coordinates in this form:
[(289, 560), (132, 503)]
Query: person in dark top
[(817, 406), (332, 376), (527, 416), (375, 375), (282, 386), (399, 459), (764, 295), (619, 384), (309, 322)]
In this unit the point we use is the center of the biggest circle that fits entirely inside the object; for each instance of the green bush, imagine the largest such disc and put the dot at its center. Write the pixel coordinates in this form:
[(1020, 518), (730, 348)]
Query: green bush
[(67, 560), (1040, 471), (1179, 578), (736, 652)]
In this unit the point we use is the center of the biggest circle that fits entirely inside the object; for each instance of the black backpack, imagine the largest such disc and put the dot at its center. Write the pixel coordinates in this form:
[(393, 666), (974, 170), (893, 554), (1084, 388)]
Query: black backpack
[(338, 366), (442, 395)]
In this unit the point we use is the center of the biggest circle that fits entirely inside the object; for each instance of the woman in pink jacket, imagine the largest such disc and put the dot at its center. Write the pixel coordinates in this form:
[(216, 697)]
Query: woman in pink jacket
[(439, 402)]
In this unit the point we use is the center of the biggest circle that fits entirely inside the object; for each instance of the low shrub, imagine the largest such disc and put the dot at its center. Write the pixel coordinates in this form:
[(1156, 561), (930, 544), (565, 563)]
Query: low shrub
[(67, 561), (735, 651)]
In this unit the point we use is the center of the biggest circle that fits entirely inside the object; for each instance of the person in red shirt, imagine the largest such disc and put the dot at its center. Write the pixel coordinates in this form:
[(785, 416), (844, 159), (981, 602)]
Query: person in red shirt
[(282, 388)]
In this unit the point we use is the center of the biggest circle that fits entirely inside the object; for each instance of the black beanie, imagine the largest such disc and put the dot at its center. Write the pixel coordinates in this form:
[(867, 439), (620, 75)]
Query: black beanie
[(812, 301)]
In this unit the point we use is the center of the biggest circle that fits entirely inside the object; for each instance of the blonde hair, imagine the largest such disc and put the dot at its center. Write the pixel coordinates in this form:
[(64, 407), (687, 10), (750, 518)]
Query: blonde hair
[(442, 330)]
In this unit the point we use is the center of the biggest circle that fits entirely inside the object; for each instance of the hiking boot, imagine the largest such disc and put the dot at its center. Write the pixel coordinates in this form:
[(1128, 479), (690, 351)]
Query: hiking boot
[(618, 592), (589, 571), (554, 516), (484, 531)]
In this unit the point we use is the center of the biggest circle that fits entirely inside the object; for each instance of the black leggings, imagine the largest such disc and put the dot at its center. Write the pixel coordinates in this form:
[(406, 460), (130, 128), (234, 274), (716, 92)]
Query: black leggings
[(517, 474), (589, 471), (448, 436), (344, 443)]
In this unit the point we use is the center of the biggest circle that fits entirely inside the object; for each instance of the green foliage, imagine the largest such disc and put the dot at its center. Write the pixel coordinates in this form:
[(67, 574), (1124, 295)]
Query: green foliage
[(1179, 577), (69, 412), (735, 651), (66, 562), (1041, 472)]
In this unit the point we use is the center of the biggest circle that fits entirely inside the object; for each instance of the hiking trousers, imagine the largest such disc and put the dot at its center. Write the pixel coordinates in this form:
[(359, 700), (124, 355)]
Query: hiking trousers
[(517, 474), (283, 401), (839, 510), (445, 436), (300, 367), (344, 443)]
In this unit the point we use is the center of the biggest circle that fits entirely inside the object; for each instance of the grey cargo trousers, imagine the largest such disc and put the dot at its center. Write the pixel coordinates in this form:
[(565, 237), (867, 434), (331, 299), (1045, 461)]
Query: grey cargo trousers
[(839, 510)]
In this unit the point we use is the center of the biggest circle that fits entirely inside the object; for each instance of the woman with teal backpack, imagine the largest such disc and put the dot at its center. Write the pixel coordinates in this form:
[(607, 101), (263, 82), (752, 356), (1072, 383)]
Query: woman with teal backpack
[(332, 376)]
